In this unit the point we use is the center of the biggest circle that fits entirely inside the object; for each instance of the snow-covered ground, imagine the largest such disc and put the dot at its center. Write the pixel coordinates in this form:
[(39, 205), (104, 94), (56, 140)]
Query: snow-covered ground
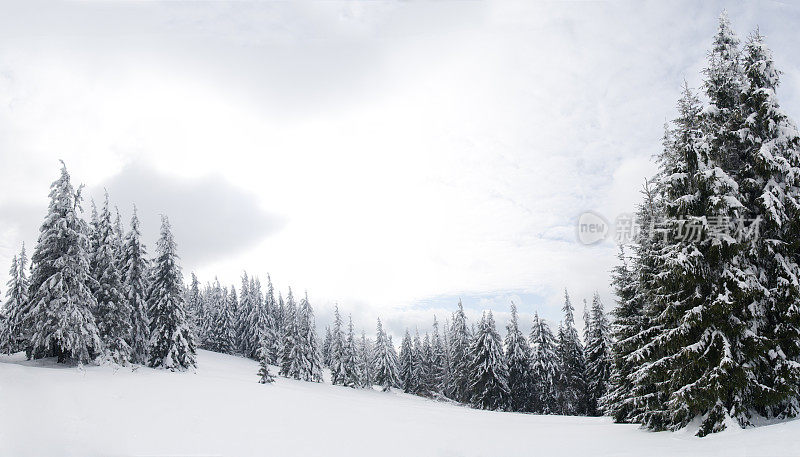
[(52, 410)]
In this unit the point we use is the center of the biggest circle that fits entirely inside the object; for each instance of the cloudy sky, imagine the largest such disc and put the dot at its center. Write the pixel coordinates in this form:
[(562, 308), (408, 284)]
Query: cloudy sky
[(387, 156)]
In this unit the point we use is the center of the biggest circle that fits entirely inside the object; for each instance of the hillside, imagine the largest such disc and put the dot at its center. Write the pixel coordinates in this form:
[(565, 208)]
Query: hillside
[(53, 410)]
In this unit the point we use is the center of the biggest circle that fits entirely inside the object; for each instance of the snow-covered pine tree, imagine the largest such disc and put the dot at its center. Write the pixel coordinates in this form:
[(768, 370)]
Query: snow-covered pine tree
[(274, 332), (385, 361), (209, 307), (598, 356), (459, 351), (447, 382), (407, 373), (439, 375), (17, 304), (291, 357), (279, 321), (312, 361), (587, 324), (233, 305), (488, 369), (217, 335), (134, 275), (112, 312), (194, 309), (255, 327), (8, 338), (236, 317), (770, 183), (365, 356), (264, 328), (518, 358), (4, 333), (61, 301), (265, 376), (326, 347), (629, 397), (544, 368), (171, 340), (119, 246), (223, 332), (245, 334), (336, 364), (393, 351), (420, 366), (279, 318), (93, 232), (696, 365), (352, 374), (427, 372), (626, 319), (206, 323), (572, 367)]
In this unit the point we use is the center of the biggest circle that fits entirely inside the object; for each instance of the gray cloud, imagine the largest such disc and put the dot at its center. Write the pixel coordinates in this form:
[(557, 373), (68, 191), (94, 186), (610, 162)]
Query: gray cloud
[(211, 218)]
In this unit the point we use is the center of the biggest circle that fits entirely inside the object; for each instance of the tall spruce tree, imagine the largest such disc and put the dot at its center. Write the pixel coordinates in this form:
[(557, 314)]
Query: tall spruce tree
[(488, 369), (625, 319), (16, 305), (134, 274), (274, 312), (365, 356), (326, 347), (336, 363), (112, 312), (699, 352), (770, 182), (350, 358), (194, 309), (572, 368), (447, 383), (245, 333), (439, 361), (598, 356), (7, 336), (421, 365), (60, 319), (216, 336), (629, 396), (385, 361), (171, 340), (544, 368), (518, 358), (427, 370), (311, 359), (407, 373), (702, 327), (459, 352), (291, 355)]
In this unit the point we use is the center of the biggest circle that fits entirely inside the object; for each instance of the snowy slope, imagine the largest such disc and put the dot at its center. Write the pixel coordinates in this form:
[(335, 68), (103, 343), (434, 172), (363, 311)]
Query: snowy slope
[(52, 410)]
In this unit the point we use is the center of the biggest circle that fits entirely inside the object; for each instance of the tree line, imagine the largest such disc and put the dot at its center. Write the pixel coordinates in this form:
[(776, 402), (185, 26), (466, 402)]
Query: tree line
[(93, 295), (707, 327), (543, 373), (546, 372)]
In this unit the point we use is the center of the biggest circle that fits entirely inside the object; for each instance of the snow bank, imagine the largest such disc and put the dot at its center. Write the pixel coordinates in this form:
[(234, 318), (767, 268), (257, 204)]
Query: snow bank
[(53, 410)]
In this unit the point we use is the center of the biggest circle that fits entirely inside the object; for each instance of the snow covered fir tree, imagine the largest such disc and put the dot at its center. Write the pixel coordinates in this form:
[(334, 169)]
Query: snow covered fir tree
[(707, 326)]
